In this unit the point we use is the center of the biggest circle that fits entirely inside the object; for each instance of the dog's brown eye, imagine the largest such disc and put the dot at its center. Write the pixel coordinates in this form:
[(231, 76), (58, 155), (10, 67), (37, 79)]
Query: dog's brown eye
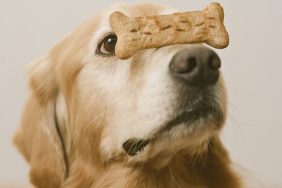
[(108, 45)]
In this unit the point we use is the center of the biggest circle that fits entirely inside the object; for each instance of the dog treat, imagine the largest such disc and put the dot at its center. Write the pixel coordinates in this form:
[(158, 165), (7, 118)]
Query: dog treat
[(179, 28)]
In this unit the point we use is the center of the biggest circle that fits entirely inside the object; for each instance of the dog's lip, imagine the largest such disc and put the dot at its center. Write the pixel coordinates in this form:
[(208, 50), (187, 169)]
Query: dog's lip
[(190, 114), (133, 146)]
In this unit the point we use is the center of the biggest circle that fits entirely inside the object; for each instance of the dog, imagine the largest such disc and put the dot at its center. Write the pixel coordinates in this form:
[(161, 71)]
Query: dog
[(153, 120)]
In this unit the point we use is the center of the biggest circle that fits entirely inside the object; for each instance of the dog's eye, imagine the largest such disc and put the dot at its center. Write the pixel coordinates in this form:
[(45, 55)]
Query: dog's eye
[(107, 46)]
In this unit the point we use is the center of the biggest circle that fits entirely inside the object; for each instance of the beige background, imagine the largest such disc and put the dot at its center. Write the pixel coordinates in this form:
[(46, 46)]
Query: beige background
[(251, 64)]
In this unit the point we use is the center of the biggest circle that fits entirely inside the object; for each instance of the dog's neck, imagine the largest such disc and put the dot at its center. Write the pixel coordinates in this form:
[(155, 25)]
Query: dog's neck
[(207, 170)]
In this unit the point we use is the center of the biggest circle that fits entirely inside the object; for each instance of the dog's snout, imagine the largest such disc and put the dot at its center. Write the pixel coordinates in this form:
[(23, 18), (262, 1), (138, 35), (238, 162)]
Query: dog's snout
[(197, 66)]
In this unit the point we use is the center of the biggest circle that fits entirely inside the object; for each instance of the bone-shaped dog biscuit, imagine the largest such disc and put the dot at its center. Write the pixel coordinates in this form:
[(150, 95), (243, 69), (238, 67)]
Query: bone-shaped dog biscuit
[(179, 28)]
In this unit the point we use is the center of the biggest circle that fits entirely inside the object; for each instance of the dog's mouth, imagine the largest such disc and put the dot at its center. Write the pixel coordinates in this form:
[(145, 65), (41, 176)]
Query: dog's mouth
[(201, 110), (193, 113)]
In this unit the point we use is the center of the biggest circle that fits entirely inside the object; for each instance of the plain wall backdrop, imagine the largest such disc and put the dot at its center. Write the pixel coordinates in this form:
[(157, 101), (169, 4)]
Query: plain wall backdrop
[(251, 65)]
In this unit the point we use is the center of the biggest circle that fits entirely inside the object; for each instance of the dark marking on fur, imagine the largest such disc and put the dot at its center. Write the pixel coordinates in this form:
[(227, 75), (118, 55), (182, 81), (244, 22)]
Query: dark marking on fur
[(134, 145)]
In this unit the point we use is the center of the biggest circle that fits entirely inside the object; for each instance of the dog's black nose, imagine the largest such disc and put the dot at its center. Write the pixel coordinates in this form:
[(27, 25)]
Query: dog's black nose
[(198, 66)]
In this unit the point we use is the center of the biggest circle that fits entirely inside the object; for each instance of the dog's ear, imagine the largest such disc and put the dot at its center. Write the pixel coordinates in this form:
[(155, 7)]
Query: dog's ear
[(38, 138), (42, 79)]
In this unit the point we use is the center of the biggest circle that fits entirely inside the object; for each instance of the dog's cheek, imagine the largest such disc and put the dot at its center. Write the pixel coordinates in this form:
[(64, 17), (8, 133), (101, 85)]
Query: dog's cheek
[(108, 147)]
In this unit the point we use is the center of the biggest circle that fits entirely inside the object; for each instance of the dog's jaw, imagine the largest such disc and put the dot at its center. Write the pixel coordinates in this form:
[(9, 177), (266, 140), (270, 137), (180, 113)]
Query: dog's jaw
[(160, 150)]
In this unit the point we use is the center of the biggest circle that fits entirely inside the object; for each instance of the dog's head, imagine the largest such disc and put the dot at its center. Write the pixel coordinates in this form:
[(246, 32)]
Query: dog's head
[(159, 101), (151, 106)]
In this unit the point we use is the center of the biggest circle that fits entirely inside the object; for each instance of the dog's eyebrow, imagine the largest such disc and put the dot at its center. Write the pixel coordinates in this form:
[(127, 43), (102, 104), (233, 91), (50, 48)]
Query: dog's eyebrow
[(134, 145)]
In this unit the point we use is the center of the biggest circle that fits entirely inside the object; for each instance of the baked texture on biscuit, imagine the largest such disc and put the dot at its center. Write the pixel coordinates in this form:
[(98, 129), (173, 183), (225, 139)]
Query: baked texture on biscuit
[(161, 30)]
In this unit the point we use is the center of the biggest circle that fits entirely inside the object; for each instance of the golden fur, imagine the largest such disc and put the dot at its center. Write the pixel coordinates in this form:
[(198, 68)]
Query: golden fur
[(66, 92)]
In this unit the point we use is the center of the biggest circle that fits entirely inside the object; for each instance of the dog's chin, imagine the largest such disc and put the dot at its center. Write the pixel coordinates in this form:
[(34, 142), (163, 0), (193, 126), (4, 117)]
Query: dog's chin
[(188, 131)]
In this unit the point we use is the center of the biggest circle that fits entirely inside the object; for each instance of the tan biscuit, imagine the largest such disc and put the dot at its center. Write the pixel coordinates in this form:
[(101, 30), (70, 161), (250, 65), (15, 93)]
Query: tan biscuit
[(180, 28)]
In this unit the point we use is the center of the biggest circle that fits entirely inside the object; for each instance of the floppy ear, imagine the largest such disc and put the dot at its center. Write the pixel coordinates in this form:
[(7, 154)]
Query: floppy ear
[(38, 138), (42, 79)]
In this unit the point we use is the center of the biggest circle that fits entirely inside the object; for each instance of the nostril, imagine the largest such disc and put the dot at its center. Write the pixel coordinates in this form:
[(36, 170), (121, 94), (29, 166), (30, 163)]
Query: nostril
[(191, 64), (184, 65), (214, 63)]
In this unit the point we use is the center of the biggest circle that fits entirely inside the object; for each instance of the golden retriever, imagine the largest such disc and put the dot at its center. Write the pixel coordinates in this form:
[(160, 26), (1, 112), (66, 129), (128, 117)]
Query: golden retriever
[(153, 120)]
